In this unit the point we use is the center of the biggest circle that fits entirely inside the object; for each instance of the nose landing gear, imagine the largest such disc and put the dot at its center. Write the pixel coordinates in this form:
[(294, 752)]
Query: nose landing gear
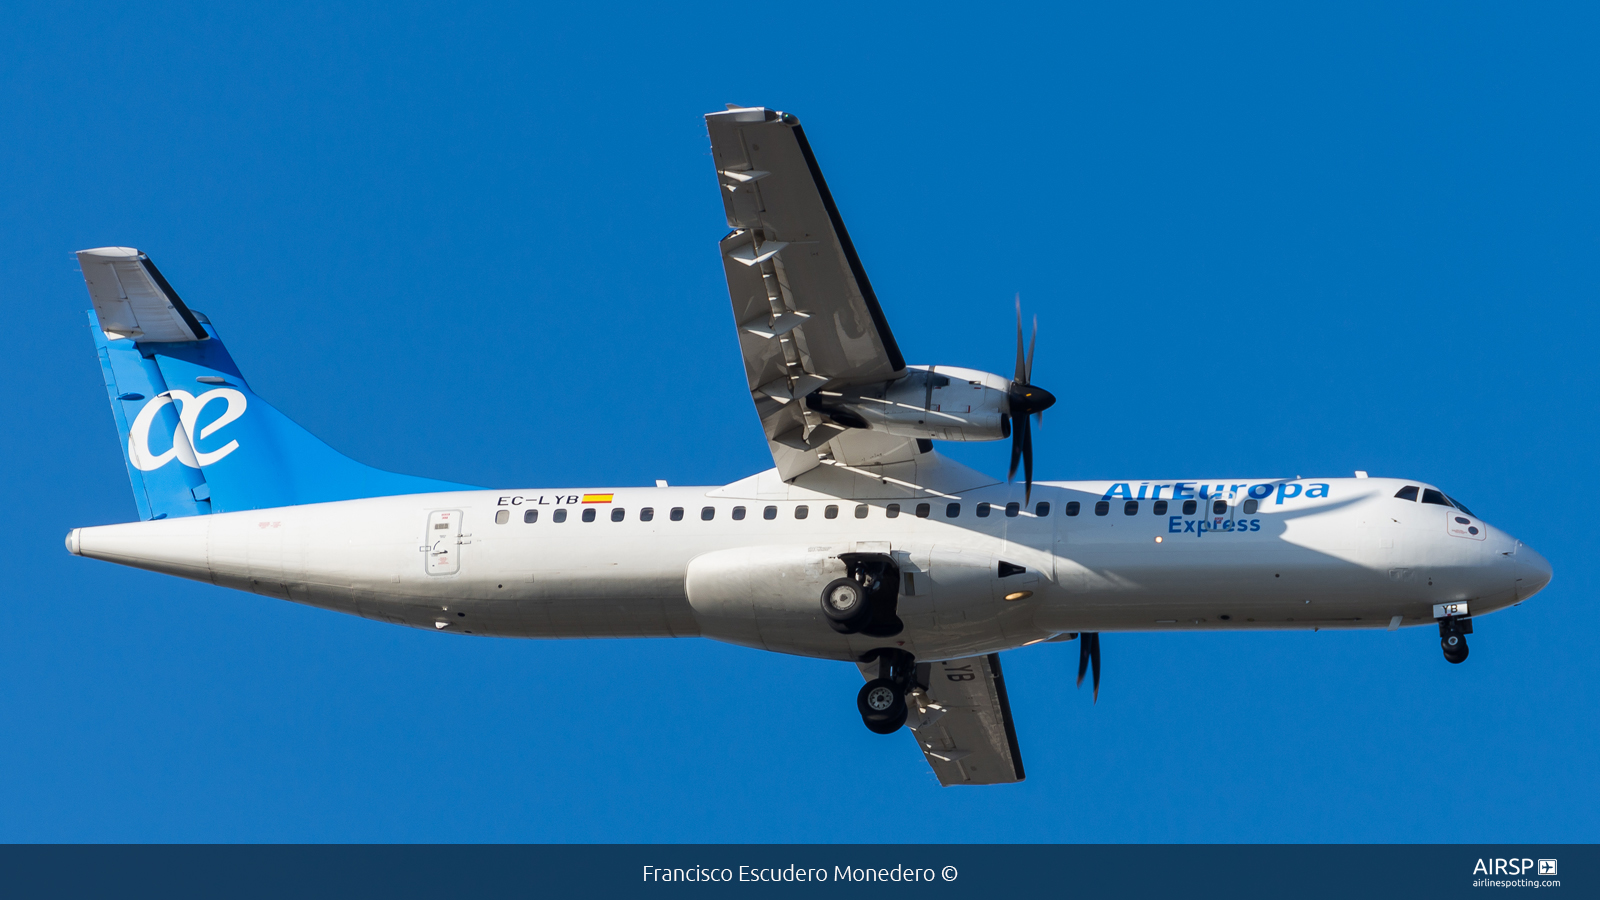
[(882, 701), (1453, 631)]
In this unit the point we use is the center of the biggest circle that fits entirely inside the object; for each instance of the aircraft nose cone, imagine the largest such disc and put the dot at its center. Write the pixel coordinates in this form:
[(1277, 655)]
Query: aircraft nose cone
[(1533, 572)]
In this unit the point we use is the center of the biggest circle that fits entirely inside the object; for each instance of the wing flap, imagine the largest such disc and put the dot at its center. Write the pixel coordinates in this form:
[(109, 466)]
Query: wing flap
[(961, 718), (806, 314)]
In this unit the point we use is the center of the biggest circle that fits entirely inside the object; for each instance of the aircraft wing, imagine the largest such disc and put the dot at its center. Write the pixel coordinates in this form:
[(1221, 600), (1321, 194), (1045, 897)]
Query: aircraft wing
[(962, 721), (806, 314)]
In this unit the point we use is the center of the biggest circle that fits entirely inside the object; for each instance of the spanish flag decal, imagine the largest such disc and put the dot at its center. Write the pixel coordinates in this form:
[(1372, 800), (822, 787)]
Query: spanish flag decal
[(597, 498)]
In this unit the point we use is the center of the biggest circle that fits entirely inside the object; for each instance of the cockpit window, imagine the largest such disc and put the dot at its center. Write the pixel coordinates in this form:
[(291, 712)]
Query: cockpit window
[(1429, 495), (1409, 492), (1459, 505)]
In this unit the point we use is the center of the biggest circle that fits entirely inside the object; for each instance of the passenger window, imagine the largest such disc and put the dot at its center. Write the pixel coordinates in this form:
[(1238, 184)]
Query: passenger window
[(647, 514), (951, 510), (923, 510), (770, 512), (983, 510), (1459, 506), (738, 513), (677, 514), (1430, 495), (707, 513), (1102, 507), (891, 511), (1012, 509), (830, 512), (617, 515), (560, 516), (1189, 506), (502, 517), (1409, 492), (1131, 508), (530, 516), (861, 510), (1041, 509), (801, 511), (1072, 507), (588, 514), (1219, 507), (1160, 508), (1250, 506)]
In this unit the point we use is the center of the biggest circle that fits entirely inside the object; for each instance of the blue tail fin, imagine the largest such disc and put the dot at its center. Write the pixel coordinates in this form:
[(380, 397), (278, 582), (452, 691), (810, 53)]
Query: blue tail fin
[(196, 439)]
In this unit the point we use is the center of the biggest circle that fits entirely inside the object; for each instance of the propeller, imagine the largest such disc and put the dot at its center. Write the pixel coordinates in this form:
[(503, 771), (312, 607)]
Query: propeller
[(1025, 399), (1089, 651)]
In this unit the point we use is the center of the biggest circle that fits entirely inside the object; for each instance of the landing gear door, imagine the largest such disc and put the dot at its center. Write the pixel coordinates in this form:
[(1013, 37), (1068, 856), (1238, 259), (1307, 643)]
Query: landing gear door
[(444, 542)]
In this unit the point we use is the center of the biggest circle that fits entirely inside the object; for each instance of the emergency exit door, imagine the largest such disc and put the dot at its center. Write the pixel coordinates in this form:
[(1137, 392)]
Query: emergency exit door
[(444, 542)]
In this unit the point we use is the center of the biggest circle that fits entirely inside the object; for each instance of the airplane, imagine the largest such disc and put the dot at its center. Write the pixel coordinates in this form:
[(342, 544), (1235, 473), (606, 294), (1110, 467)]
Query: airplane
[(862, 544)]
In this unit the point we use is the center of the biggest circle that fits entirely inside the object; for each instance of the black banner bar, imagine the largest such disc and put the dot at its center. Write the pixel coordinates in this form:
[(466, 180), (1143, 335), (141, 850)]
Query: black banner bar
[(985, 871)]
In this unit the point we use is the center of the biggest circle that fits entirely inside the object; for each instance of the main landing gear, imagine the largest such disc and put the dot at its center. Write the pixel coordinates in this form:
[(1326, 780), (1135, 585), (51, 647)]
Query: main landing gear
[(864, 601), (882, 701), (1453, 631)]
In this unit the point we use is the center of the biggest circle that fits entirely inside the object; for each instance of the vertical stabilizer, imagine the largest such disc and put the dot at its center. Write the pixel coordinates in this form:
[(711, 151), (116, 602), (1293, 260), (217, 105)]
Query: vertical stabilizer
[(195, 438)]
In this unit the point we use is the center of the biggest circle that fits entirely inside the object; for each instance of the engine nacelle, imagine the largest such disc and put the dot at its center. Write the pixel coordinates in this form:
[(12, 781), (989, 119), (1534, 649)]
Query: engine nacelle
[(934, 402)]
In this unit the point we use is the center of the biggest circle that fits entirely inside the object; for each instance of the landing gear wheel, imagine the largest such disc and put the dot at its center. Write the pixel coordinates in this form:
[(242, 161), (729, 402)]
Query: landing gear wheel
[(844, 600), (1455, 648), (883, 706)]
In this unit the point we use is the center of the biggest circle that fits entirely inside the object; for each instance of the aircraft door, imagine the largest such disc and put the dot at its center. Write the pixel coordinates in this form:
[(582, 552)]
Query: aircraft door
[(961, 587), (1028, 551), (1068, 572), (444, 542), (914, 605)]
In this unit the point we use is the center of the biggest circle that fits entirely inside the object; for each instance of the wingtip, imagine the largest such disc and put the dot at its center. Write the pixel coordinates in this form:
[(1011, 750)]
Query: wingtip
[(109, 252)]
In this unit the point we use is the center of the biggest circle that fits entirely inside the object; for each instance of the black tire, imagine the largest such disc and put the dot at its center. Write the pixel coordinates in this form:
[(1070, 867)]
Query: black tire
[(844, 600), (882, 705), (889, 726)]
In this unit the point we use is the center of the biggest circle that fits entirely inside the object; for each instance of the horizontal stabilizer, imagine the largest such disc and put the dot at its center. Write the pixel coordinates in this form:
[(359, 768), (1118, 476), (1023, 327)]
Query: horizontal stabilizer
[(132, 300)]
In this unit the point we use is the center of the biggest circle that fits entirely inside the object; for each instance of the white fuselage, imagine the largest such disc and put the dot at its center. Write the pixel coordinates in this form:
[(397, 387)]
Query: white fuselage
[(1349, 555)]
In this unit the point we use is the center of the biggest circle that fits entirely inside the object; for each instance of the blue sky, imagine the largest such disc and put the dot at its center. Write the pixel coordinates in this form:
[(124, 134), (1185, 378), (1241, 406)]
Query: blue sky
[(1260, 242)]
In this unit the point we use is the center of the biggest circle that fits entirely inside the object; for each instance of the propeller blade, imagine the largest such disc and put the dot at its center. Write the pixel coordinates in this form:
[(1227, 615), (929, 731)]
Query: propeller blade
[(1094, 657), (1022, 363), (1018, 424), (1032, 342), (1027, 461), (1083, 656), (1024, 400)]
